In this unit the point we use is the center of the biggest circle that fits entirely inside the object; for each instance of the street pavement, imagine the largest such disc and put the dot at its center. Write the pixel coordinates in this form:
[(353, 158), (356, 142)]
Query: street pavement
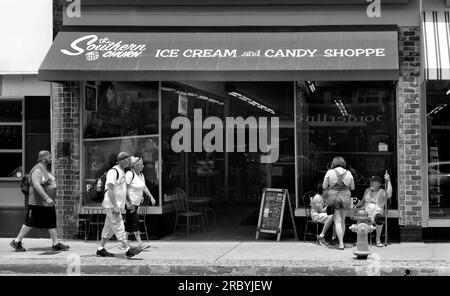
[(227, 258)]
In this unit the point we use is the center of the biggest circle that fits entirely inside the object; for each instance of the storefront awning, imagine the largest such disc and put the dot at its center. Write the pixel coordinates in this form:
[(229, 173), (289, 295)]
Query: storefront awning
[(371, 55), (436, 32)]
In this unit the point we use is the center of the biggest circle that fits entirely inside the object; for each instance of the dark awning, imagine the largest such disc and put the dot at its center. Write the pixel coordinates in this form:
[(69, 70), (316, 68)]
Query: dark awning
[(222, 56)]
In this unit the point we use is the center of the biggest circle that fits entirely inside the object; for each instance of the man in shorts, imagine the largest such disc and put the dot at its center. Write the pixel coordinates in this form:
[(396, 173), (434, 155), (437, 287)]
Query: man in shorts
[(114, 201)]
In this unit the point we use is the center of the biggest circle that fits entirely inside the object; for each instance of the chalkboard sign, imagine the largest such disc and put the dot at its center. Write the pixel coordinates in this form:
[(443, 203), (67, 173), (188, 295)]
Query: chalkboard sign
[(273, 203)]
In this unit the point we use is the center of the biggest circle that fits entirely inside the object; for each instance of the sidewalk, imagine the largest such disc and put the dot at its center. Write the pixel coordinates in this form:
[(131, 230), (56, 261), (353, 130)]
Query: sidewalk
[(225, 258)]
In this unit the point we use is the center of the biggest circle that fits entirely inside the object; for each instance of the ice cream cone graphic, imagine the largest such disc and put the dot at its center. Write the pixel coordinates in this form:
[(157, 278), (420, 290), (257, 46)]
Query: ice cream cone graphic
[(92, 55)]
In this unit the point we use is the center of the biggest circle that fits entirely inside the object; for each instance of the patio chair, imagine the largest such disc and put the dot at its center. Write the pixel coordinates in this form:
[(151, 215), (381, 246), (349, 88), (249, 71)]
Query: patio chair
[(182, 210), (307, 203)]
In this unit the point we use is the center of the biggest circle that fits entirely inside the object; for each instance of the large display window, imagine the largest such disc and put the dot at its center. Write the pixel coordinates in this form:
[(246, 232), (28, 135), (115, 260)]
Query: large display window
[(121, 116), (355, 120), (438, 138)]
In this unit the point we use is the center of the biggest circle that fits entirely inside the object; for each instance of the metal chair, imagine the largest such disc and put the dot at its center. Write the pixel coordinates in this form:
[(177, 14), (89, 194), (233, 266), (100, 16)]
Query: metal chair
[(96, 220), (182, 210), (307, 203), (142, 214), (81, 223)]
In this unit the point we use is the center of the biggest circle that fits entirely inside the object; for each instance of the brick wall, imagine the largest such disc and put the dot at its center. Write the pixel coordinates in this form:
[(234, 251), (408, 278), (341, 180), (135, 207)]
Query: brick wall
[(66, 157), (410, 179)]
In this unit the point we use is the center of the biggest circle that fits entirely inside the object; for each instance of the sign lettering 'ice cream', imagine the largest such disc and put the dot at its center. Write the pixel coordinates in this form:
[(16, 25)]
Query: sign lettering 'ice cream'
[(105, 46)]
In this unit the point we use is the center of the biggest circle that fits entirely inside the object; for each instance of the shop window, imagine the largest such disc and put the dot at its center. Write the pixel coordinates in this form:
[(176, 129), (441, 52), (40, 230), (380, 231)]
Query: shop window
[(11, 140), (228, 177), (121, 116), (355, 120), (438, 136)]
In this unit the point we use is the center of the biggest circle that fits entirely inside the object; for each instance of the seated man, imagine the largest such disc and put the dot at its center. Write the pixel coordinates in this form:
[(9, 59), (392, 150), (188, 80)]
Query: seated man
[(373, 202), (319, 215)]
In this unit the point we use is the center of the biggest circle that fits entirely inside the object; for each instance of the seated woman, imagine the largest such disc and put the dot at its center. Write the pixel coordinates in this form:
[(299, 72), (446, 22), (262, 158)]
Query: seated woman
[(319, 215), (373, 202)]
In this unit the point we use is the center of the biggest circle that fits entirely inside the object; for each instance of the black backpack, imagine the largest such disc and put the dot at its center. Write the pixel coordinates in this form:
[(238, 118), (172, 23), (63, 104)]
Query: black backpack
[(26, 183), (97, 190)]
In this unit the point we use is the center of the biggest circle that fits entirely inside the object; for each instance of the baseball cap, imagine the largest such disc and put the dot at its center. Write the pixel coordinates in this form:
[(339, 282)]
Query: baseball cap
[(375, 179), (122, 156), (43, 154)]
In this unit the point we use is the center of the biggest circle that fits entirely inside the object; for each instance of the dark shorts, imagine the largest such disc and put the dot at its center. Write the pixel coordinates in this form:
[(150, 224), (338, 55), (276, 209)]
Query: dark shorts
[(132, 220), (379, 219), (41, 217), (338, 199)]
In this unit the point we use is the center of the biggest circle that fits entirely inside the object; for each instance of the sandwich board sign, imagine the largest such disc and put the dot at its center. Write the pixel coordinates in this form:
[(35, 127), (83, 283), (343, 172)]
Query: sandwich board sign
[(273, 204)]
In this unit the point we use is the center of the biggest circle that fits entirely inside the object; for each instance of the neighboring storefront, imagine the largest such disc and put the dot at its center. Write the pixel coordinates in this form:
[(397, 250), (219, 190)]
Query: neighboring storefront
[(436, 115), (24, 101), (348, 87)]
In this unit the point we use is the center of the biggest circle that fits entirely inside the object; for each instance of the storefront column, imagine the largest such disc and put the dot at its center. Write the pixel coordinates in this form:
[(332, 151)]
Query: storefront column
[(410, 178), (66, 152)]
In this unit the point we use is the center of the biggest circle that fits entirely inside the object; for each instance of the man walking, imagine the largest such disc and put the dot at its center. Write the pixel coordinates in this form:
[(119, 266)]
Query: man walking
[(41, 211), (114, 201)]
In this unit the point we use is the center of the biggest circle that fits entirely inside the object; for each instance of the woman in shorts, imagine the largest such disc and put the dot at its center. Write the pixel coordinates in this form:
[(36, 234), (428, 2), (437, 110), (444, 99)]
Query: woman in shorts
[(136, 188), (338, 182)]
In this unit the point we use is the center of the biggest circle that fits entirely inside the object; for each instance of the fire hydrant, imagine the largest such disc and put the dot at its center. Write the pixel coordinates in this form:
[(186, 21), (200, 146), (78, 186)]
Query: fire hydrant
[(362, 227)]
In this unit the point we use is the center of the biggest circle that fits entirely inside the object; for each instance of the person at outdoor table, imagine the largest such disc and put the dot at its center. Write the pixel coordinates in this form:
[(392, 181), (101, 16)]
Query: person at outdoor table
[(373, 202), (319, 215), (338, 182), (135, 188)]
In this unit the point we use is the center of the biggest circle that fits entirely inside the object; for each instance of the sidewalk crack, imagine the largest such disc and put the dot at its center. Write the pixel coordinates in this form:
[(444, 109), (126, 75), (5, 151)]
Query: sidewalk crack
[(234, 247)]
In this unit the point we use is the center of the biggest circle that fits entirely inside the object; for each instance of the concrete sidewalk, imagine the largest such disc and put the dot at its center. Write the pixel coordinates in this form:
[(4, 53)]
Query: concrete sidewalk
[(225, 258)]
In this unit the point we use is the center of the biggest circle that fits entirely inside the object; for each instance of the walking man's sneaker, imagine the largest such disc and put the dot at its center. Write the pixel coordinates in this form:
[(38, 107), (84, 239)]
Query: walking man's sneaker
[(17, 246), (60, 247), (104, 253), (132, 252), (322, 241)]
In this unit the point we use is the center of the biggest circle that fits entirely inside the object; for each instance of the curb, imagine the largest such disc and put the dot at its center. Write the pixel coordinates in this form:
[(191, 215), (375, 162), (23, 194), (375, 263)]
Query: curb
[(290, 269)]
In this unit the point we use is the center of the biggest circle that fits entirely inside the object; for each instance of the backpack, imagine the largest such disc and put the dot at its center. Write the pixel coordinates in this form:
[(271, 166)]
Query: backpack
[(96, 192), (26, 183)]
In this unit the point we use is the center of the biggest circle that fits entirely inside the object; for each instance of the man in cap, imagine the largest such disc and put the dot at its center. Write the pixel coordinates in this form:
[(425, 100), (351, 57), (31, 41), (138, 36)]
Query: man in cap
[(373, 202), (114, 201), (41, 211)]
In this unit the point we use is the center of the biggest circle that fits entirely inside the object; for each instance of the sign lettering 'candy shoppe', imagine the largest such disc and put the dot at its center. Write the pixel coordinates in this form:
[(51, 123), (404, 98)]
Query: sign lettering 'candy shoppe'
[(95, 47)]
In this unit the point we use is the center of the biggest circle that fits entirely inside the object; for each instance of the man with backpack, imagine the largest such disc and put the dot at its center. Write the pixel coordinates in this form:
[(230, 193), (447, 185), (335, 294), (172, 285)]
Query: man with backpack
[(114, 201), (41, 213)]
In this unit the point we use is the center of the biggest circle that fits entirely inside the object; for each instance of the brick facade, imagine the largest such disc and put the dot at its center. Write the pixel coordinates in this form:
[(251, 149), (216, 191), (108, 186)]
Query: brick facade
[(66, 152), (410, 179)]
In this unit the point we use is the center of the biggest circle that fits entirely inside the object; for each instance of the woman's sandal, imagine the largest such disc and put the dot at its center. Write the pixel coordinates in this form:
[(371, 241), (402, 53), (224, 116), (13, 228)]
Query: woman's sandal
[(340, 248), (379, 245)]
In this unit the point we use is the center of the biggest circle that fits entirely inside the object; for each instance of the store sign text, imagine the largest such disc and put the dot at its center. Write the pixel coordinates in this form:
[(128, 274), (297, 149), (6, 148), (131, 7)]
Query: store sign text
[(105, 46), (271, 53), (258, 135)]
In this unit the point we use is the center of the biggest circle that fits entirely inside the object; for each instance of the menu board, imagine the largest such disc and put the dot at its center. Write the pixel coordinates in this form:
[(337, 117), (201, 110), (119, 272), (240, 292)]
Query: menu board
[(273, 203)]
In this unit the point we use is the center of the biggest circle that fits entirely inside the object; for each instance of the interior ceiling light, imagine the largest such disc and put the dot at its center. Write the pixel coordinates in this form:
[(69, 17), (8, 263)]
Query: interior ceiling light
[(341, 107), (448, 92), (251, 102), (190, 94), (311, 86), (436, 110)]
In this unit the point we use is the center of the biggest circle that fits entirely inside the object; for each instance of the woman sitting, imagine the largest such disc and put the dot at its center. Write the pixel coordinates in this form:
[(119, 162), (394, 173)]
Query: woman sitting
[(319, 215), (373, 202)]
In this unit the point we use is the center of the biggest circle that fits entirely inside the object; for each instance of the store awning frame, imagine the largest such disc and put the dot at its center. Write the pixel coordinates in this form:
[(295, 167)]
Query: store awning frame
[(371, 55), (436, 44)]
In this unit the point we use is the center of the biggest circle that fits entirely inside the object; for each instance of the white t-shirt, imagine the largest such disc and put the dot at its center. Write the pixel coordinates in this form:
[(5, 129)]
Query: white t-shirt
[(120, 188), (136, 187), (331, 178)]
